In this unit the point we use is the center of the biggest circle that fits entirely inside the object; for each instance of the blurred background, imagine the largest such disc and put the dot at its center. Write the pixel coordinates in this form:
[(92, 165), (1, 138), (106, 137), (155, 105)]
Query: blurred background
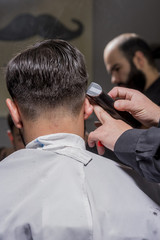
[(87, 24)]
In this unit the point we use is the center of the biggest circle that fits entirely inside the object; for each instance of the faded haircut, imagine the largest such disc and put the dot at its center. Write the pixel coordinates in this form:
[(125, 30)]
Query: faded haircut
[(50, 74)]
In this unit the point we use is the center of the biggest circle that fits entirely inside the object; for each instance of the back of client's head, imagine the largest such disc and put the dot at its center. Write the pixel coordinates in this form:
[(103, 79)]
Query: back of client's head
[(46, 76)]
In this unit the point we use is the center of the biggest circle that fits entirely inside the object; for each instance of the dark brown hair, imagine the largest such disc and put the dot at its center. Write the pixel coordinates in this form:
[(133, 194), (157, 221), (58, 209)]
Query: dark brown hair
[(49, 74)]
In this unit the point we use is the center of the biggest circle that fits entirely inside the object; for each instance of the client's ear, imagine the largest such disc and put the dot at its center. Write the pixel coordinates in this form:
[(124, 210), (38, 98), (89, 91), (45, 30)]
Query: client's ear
[(13, 109), (88, 108)]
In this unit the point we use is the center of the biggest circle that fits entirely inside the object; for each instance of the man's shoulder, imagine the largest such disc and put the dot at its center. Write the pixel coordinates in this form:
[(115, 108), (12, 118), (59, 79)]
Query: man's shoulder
[(104, 162), (23, 157)]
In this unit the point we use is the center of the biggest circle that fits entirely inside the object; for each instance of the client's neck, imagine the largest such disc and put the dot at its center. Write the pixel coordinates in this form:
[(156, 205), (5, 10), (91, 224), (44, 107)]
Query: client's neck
[(56, 123)]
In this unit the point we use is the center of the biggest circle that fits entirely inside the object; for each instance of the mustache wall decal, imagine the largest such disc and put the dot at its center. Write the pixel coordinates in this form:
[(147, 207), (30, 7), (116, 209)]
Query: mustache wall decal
[(26, 26)]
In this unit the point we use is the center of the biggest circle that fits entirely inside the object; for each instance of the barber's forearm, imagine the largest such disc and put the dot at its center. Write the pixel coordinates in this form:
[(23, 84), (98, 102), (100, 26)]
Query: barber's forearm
[(140, 149), (125, 147)]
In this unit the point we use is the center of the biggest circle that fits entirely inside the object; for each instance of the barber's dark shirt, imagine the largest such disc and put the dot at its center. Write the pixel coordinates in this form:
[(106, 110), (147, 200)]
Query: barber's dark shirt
[(140, 149), (153, 92)]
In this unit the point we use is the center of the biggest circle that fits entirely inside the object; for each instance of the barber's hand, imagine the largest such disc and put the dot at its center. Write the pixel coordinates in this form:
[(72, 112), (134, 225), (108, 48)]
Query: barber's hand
[(108, 133), (133, 101)]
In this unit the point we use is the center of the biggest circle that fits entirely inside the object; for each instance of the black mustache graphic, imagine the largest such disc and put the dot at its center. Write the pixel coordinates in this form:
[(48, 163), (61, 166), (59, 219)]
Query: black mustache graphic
[(46, 26)]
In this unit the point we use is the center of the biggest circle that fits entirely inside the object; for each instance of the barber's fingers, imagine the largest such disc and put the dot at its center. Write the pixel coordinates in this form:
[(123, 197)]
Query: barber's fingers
[(101, 114), (124, 105), (100, 148), (121, 92), (96, 137), (93, 137), (99, 145)]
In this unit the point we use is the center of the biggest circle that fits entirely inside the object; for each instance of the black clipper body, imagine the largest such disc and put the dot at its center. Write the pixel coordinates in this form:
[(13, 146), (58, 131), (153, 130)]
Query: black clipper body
[(96, 96)]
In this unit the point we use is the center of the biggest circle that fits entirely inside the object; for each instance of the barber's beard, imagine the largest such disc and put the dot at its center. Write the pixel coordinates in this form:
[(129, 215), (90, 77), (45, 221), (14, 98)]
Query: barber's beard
[(136, 79)]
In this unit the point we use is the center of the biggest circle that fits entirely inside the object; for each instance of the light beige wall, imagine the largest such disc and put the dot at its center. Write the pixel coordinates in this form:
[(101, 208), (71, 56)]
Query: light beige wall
[(64, 10)]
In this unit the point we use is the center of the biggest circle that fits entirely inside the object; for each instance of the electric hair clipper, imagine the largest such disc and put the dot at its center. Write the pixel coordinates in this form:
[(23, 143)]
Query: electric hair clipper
[(96, 96)]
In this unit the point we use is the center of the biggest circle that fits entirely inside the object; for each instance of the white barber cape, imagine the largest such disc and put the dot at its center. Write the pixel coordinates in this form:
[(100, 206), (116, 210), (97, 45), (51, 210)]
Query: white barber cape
[(56, 190)]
